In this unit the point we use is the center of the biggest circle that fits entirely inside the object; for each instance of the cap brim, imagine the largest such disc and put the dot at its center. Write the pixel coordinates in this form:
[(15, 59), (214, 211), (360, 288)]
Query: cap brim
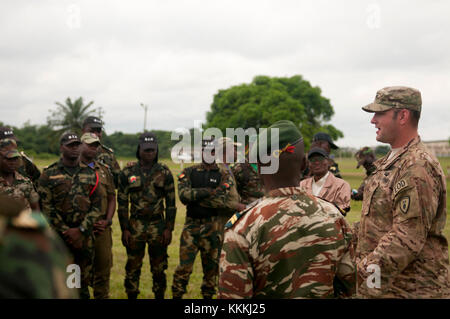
[(375, 107), (333, 146), (94, 125), (71, 142), (147, 144)]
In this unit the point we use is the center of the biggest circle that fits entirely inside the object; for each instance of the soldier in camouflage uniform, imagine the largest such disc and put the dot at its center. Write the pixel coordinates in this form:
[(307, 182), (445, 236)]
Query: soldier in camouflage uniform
[(247, 179), (13, 183), (102, 228), (205, 189), (71, 201), (33, 259), (105, 155), (26, 167), (404, 208), (290, 244), (146, 184), (226, 158), (324, 141), (364, 157)]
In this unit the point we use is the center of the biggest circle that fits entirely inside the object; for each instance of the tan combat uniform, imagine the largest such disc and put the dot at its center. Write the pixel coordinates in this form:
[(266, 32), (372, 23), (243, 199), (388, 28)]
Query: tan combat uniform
[(401, 231)]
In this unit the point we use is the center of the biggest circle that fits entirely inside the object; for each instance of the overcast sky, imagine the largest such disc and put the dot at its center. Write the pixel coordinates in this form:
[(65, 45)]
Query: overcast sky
[(175, 55)]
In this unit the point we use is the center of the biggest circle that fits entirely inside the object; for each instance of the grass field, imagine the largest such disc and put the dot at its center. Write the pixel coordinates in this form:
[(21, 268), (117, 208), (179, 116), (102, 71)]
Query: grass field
[(349, 172)]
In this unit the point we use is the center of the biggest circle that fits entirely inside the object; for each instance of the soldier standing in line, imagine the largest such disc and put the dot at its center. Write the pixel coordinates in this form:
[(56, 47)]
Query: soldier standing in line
[(26, 167), (226, 158), (203, 188), (102, 229), (365, 157), (403, 213), (11, 182), (290, 244), (33, 259), (247, 180), (105, 155), (146, 184), (71, 202)]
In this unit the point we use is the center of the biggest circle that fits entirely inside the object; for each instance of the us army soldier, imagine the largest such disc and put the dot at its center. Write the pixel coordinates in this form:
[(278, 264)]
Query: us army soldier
[(404, 208)]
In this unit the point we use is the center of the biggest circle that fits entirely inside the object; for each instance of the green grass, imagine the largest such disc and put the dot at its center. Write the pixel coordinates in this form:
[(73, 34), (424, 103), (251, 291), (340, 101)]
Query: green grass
[(348, 170)]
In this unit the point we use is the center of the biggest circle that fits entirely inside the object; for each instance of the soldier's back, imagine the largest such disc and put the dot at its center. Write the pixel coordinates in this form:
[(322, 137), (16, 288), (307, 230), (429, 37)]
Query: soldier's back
[(33, 259), (295, 245)]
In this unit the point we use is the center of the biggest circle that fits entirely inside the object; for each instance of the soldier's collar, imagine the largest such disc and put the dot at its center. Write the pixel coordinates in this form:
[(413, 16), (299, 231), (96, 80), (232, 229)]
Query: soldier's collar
[(387, 163), (286, 191)]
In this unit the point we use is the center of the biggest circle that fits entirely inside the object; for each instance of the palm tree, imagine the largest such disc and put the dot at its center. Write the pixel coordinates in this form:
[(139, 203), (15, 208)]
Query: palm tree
[(70, 116)]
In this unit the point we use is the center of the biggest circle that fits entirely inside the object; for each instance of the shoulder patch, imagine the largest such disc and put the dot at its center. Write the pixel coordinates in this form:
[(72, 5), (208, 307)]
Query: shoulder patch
[(402, 184), (181, 176), (404, 204), (132, 179)]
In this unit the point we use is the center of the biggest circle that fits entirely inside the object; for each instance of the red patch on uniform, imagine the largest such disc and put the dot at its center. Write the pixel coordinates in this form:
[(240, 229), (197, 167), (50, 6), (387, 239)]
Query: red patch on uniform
[(133, 179)]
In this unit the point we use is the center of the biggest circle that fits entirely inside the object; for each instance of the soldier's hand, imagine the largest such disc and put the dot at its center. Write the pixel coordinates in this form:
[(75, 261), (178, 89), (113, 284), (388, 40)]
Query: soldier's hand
[(126, 238), (166, 237), (74, 237), (100, 226)]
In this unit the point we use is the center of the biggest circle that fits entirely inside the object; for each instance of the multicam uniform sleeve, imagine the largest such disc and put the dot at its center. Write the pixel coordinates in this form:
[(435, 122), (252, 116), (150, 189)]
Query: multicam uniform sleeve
[(123, 201), (188, 194), (415, 199), (48, 208), (171, 208), (236, 271), (115, 170)]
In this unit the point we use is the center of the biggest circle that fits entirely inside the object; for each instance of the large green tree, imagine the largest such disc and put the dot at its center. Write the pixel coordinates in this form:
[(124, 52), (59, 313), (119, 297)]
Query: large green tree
[(70, 115), (269, 99)]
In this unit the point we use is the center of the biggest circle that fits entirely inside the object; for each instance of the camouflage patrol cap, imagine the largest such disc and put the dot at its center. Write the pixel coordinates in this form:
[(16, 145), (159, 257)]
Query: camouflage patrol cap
[(7, 132), (93, 121), (395, 97), (90, 138), (69, 138), (8, 148), (284, 131), (361, 155)]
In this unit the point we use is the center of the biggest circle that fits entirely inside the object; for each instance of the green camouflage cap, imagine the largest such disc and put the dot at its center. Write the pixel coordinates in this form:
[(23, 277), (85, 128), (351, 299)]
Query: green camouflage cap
[(395, 97), (89, 138), (8, 148), (288, 135), (361, 155)]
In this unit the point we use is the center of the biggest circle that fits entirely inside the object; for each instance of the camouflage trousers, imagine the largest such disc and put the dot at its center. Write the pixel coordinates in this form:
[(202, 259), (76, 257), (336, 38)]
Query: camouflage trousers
[(102, 264), (84, 258), (198, 235), (157, 255)]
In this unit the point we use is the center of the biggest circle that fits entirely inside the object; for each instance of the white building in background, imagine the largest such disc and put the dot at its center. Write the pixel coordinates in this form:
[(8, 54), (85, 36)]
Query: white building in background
[(439, 148)]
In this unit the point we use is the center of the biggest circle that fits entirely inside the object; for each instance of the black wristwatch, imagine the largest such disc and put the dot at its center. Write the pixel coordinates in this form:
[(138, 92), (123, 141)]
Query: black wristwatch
[(109, 222)]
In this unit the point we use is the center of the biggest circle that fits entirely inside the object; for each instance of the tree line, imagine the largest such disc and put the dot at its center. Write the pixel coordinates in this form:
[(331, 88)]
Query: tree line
[(250, 105)]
